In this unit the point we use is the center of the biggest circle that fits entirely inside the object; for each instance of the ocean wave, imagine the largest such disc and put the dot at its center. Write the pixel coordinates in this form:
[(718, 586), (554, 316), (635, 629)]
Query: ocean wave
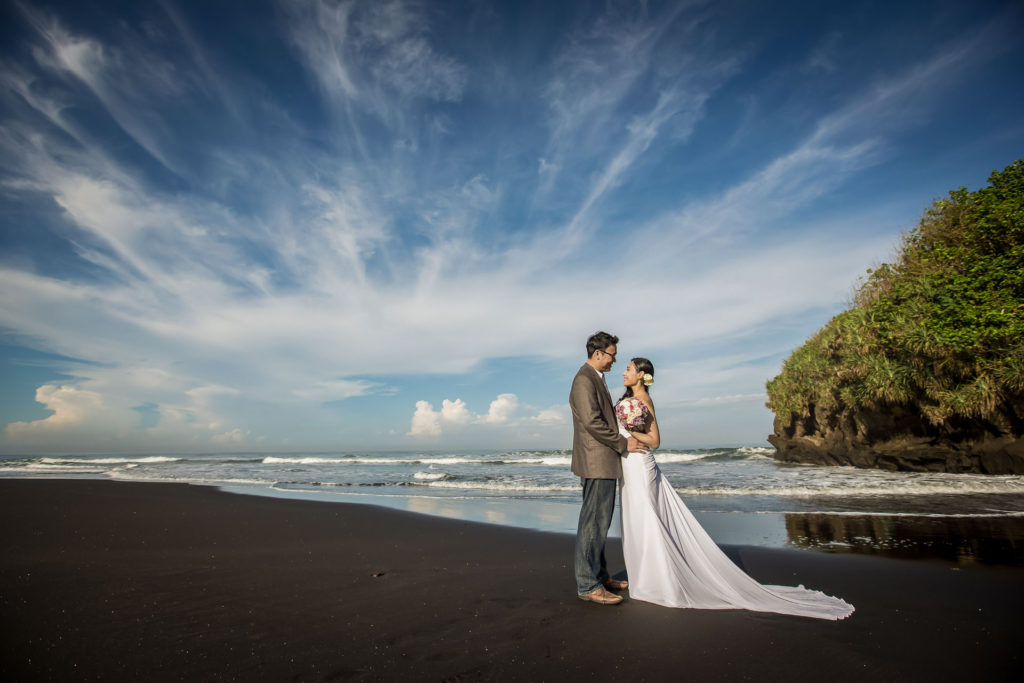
[(131, 475), (498, 486), (53, 467), (831, 490), (424, 460), (551, 461), (456, 460), (756, 453), (755, 450), (683, 457), (451, 483), (353, 460), (431, 476), (143, 460), (781, 491), (274, 460), (746, 453)]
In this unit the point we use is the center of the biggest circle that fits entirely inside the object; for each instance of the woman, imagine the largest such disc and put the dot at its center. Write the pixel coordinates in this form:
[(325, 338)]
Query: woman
[(670, 559)]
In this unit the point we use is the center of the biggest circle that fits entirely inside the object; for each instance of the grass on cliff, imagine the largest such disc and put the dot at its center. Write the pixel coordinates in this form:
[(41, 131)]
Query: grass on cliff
[(940, 330)]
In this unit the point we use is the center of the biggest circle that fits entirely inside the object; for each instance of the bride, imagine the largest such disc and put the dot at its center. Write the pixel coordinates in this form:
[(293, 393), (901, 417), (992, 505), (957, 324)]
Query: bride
[(670, 559)]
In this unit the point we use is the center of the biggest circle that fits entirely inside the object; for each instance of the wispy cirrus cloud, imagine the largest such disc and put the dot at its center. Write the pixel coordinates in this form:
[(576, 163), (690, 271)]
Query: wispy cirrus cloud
[(129, 82), (603, 73), (373, 56), (326, 254)]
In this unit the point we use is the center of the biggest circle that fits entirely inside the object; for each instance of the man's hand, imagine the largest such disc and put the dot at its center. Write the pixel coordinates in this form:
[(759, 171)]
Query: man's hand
[(634, 446)]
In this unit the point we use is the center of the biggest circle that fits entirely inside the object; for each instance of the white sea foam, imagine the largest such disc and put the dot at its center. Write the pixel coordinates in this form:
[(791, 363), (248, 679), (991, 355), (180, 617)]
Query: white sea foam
[(682, 457), (755, 450), (756, 453), (831, 490), (745, 474), (273, 460), (556, 460), (132, 475), (430, 476), (54, 467), (499, 486), (553, 461), (108, 461), (452, 460), (828, 489), (499, 460)]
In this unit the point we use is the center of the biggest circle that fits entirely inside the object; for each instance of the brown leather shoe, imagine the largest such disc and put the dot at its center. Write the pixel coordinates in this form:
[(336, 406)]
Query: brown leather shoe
[(616, 585), (601, 597)]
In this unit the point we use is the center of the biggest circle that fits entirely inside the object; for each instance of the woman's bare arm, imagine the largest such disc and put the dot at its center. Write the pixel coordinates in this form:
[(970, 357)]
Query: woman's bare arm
[(652, 437)]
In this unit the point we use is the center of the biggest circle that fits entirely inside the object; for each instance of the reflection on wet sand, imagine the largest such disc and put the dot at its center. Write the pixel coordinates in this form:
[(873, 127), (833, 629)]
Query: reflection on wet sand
[(996, 539), (964, 540), (435, 506)]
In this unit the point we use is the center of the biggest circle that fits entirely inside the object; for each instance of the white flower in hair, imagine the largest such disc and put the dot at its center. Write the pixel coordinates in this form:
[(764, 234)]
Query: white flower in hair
[(648, 379)]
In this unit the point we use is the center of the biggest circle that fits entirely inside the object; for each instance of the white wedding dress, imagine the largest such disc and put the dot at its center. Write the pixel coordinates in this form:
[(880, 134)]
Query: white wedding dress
[(671, 560)]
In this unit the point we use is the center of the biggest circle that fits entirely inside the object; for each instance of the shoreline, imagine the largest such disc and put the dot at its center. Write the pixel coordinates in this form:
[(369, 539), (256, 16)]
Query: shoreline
[(534, 514), (164, 581), (989, 538), (960, 539)]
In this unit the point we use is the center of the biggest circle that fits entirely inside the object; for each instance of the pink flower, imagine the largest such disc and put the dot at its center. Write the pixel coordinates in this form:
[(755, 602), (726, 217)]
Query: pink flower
[(632, 413)]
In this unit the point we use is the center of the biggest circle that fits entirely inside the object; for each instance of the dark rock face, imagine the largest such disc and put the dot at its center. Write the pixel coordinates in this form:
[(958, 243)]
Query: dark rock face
[(899, 438)]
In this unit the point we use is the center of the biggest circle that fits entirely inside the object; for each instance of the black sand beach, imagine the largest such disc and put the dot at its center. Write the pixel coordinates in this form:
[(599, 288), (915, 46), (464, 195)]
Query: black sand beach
[(119, 581)]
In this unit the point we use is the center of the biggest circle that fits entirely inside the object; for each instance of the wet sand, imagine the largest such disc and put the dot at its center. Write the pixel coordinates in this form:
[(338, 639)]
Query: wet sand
[(160, 582)]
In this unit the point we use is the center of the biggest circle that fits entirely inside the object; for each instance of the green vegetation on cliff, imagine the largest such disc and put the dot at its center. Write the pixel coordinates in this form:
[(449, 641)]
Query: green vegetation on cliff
[(940, 332)]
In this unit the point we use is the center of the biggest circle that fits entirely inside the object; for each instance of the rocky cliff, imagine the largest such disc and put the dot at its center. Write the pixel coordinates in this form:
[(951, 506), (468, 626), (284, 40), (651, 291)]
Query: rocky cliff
[(925, 371), (900, 438)]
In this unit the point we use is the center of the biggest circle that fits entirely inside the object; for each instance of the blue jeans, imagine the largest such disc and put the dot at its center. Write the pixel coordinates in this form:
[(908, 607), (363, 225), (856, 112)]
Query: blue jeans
[(595, 519)]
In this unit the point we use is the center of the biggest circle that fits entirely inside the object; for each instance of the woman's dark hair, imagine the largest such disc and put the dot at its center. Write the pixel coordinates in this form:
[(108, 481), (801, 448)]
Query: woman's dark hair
[(643, 366), (599, 341)]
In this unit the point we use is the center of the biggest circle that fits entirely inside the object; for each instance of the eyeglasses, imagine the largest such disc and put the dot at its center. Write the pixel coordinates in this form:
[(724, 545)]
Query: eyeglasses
[(608, 354)]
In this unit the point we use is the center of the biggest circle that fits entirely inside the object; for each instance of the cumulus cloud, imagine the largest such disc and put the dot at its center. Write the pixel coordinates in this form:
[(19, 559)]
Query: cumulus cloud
[(552, 416), (455, 412), (502, 409), (426, 421), (506, 410), (87, 419), (72, 407)]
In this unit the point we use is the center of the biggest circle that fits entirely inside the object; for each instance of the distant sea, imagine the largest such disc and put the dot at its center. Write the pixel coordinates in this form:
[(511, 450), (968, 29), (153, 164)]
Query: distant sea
[(741, 495)]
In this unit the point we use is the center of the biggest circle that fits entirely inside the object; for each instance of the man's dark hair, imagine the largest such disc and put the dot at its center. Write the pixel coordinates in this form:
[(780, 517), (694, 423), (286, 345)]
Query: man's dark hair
[(599, 341)]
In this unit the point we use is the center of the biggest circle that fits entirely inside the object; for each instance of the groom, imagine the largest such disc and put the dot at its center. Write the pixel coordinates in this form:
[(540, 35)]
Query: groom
[(597, 449)]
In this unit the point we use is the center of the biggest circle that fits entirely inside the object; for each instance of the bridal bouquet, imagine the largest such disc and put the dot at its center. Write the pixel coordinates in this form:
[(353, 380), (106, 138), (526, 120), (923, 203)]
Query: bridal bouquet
[(632, 414)]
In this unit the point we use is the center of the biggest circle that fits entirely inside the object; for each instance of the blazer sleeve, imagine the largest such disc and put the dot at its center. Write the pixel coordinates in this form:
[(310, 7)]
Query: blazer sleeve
[(586, 410)]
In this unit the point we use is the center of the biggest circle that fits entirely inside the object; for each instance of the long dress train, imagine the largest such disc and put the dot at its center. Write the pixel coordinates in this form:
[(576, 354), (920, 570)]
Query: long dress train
[(672, 561)]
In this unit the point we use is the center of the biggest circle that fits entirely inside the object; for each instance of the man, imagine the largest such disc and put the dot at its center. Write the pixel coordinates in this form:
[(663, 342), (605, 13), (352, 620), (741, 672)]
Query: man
[(597, 449)]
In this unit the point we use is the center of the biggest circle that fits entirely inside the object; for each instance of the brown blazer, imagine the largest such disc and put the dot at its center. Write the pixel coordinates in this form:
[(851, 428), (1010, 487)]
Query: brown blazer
[(597, 446)]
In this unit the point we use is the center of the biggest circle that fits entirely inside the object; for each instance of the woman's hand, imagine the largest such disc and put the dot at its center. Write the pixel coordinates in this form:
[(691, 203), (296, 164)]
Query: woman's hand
[(635, 446), (650, 440)]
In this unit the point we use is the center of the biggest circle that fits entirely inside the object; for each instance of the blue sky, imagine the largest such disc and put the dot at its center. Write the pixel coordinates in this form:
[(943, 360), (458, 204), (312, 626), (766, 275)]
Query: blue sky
[(319, 225)]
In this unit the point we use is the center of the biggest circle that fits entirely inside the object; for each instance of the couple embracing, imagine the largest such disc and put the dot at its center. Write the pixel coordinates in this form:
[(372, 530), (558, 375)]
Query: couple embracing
[(670, 559)]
